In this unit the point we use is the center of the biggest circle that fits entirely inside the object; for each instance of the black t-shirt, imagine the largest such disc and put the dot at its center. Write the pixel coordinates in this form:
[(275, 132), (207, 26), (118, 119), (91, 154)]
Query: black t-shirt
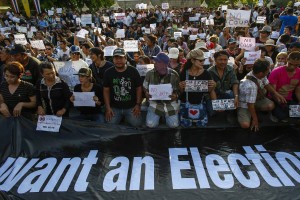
[(98, 92), (98, 72), (194, 97), (219, 21), (122, 86), (22, 94), (32, 72)]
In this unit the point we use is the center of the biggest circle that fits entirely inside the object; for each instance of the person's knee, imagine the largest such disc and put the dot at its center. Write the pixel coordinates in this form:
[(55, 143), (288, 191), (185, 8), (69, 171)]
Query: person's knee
[(245, 125), (151, 123)]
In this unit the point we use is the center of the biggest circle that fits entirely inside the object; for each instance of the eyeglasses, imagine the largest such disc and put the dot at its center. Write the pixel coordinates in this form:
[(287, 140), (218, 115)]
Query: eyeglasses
[(200, 60), (76, 53)]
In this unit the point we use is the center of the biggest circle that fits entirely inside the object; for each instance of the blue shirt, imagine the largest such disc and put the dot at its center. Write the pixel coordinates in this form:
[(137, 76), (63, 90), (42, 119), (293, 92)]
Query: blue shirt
[(288, 20)]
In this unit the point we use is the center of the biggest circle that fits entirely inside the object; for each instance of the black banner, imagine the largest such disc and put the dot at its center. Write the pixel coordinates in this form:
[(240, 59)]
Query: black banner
[(89, 161)]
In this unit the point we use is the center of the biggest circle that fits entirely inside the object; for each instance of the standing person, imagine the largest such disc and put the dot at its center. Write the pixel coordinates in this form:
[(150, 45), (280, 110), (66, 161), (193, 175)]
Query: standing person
[(17, 97), (162, 74), (52, 93), (288, 19), (193, 70), (122, 91), (30, 64), (87, 85)]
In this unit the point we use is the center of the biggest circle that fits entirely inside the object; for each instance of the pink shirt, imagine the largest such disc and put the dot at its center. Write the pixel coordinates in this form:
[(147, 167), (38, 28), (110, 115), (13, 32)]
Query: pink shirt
[(285, 85)]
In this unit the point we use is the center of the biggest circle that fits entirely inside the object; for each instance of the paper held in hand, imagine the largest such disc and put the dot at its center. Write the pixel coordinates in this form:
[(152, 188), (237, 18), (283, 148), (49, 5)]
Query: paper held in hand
[(223, 104), (160, 92), (84, 99), (196, 86), (143, 69), (131, 46), (49, 123)]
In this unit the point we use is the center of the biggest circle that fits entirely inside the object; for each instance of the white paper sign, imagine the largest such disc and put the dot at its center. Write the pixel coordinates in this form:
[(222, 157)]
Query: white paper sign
[(260, 19), (193, 37), (20, 39), (86, 19), (82, 33), (67, 72), (84, 99), (33, 29), (50, 12), (105, 18), (177, 34), (223, 104), (131, 45), (29, 34), (153, 26), (147, 30), (22, 29), (209, 22), (50, 123), (203, 19), (109, 50), (4, 29), (142, 6), (193, 19), (202, 35), (165, 6), (38, 44), (59, 10), (247, 43), (185, 32), (207, 55), (59, 64), (99, 30), (224, 7), (275, 35), (120, 17), (120, 33), (294, 110), (196, 85), (238, 18), (251, 57), (143, 69), (77, 20), (160, 92)]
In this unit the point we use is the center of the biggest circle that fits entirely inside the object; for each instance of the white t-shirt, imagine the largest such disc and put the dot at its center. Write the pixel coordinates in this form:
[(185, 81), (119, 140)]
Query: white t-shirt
[(63, 55)]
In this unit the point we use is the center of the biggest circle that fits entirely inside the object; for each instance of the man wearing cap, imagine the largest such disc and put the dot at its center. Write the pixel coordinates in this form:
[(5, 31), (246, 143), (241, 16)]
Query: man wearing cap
[(122, 91), (232, 49), (264, 34), (30, 64), (162, 74)]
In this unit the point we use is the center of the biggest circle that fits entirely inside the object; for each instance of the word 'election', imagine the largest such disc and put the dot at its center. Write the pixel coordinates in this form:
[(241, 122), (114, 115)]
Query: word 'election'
[(47, 175)]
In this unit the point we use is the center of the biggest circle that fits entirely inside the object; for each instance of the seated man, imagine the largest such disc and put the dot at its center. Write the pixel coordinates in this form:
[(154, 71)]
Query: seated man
[(122, 91), (161, 74), (286, 81), (252, 95)]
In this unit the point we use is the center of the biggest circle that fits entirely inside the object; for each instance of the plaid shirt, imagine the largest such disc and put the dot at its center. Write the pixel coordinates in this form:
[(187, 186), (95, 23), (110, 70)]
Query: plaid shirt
[(163, 108), (248, 90)]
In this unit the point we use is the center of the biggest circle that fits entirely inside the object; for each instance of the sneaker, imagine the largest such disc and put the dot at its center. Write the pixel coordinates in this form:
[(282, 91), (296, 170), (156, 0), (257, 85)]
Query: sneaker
[(273, 118)]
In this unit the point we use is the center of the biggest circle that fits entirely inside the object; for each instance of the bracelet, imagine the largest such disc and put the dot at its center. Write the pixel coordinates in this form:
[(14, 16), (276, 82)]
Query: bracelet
[(236, 95)]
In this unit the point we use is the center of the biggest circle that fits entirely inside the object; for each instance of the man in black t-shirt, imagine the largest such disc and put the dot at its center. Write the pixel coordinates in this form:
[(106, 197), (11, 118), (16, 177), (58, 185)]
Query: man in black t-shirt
[(122, 91)]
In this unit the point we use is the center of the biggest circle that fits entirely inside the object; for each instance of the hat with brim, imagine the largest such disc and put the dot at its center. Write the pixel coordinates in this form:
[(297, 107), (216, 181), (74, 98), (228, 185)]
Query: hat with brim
[(173, 53), (270, 42), (200, 45), (84, 72), (161, 57), (119, 52), (196, 54)]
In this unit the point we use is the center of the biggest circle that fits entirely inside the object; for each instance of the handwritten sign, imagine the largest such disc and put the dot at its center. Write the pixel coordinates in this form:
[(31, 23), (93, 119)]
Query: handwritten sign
[(84, 99), (224, 7), (260, 19), (120, 33), (86, 19), (38, 44), (238, 18), (251, 57), (82, 33), (196, 86), (20, 39), (50, 12), (131, 45), (247, 43), (223, 104), (109, 50), (165, 6), (142, 6), (22, 29), (193, 37), (294, 110), (59, 10), (275, 35), (160, 92), (49, 123), (143, 69), (177, 34)]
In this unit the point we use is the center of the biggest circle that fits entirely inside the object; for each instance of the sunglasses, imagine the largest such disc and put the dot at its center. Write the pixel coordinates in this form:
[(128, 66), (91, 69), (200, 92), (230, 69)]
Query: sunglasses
[(77, 53), (48, 48), (200, 60)]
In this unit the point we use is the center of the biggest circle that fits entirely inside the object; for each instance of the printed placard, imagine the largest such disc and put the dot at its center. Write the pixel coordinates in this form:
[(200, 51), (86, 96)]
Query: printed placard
[(165, 6), (131, 45), (38, 44), (261, 19), (251, 57), (84, 99), (109, 50), (223, 104), (120, 17), (143, 69), (275, 35), (120, 33), (196, 85), (247, 43), (20, 39), (49, 123), (294, 110), (237, 18), (160, 92), (86, 19), (177, 34)]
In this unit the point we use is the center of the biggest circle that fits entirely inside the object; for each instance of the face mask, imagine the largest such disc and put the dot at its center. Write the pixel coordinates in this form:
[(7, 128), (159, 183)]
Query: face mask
[(280, 63)]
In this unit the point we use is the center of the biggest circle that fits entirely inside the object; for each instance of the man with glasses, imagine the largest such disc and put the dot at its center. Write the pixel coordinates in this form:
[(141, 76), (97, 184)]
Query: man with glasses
[(47, 55)]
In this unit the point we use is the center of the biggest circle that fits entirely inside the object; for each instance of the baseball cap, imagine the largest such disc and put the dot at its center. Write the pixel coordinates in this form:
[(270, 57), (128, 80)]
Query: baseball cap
[(85, 72), (231, 40), (17, 48), (173, 53), (119, 52), (161, 57), (266, 29), (74, 49)]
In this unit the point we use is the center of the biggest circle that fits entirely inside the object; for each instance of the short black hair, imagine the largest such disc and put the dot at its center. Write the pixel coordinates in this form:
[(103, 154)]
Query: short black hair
[(221, 53), (260, 65)]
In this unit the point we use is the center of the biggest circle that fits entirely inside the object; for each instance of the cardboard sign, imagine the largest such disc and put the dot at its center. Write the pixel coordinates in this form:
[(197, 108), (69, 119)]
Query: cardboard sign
[(223, 104), (120, 33), (109, 50), (177, 34), (196, 86), (251, 57), (49, 123), (160, 92), (86, 19), (37, 44), (131, 45), (238, 18), (260, 19), (143, 69), (294, 110), (20, 39), (247, 43), (165, 6), (84, 99)]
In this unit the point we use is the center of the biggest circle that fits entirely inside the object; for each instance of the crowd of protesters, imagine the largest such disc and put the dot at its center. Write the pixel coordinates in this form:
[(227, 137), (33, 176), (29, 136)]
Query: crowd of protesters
[(31, 83)]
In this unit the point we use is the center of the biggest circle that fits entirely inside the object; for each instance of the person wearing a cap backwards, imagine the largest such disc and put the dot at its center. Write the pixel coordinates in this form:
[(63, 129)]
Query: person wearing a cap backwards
[(162, 74), (122, 91), (30, 64)]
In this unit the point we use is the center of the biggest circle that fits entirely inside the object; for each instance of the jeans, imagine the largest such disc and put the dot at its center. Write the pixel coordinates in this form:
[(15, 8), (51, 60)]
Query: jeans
[(129, 117), (152, 120)]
